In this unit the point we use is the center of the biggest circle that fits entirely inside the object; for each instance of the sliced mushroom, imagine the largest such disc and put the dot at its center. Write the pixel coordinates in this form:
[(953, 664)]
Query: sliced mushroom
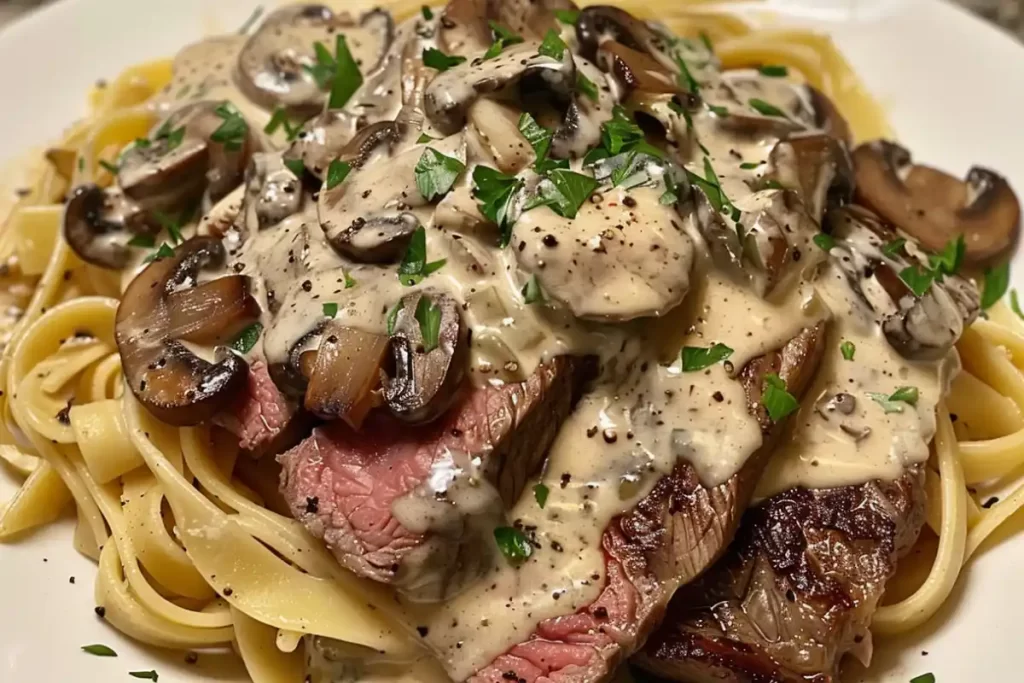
[(449, 96), (464, 23), (635, 70), (935, 207), (272, 66), (272, 192), (98, 224), (345, 373), (598, 24), (180, 160), (322, 139), (827, 116), (579, 129), (425, 381), (492, 133), (918, 327), (157, 312), (818, 167)]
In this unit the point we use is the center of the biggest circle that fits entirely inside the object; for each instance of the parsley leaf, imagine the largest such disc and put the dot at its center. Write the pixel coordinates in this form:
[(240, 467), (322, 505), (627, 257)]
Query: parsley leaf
[(247, 338), (428, 315), (718, 111), (777, 401), (847, 348), (892, 249), (233, 131), (620, 131), (773, 70), (1015, 305), (435, 59), (173, 138), (428, 13), (503, 37), (414, 266), (540, 494), (696, 358), (337, 171), (424, 138), (279, 119), (436, 174), (538, 136), (751, 165), (949, 260), (586, 86), (171, 226), (917, 278), (347, 78), (322, 69), (712, 189), (330, 309), (110, 168), (296, 166), (923, 678), (553, 46), (706, 39), (565, 191), (825, 242), (513, 544), (532, 293), (143, 241), (762, 107), (997, 280), (350, 281), (894, 403), (392, 317), (150, 675), (567, 16), (165, 251), (497, 194), (686, 78), (99, 650), (905, 394)]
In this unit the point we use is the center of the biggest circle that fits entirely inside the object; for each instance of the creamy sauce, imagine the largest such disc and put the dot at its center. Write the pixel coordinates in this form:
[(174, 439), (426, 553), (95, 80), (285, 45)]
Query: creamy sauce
[(631, 280)]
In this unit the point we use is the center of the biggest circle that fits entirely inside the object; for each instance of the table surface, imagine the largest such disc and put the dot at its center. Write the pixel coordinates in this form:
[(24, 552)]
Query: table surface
[(1009, 14)]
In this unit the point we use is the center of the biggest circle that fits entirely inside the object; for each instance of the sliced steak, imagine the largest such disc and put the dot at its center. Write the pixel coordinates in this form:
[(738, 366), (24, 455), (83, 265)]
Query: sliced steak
[(407, 505), (262, 418), (678, 530), (797, 590)]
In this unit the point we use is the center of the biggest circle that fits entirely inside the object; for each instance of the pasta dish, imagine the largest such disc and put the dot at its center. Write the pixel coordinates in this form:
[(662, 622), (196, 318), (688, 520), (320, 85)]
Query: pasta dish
[(509, 341)]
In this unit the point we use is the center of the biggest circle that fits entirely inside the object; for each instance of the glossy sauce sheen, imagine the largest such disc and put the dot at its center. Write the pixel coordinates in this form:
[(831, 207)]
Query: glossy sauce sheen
[(639, 277)]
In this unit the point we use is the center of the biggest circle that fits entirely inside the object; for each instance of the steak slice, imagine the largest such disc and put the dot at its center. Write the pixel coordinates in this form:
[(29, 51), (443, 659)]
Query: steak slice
[(261, 417), (401, 504), (672, 535), (797, 590)]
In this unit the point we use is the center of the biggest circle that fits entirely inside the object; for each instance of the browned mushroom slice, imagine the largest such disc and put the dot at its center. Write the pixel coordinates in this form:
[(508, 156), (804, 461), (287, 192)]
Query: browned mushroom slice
[(817, 166), (600, 23), (635, 70), (921, 325), (272, 193), (322, 139), (171, 381), (345, 373), (429, 352), (214, 312), (464, 27), (273, 66), (935, 207), (828, 118), (181, 158), (449, 96), (98, 224)]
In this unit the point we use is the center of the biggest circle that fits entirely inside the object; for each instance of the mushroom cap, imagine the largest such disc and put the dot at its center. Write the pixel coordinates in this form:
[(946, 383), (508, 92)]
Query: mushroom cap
[(464, 28), (600, 23), (162, 307), (98, 224), (935, 207), (817, 166)]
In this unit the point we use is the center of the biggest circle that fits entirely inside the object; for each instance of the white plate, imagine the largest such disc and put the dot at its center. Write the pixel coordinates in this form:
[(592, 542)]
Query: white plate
[(954, 88)]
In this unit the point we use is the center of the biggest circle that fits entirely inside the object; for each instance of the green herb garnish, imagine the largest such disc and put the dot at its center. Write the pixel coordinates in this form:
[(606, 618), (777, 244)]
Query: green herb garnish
[(774, 70), (173, 138), (751, 165), (825, 242), (99, 650), (997, 281), (339, 72), (392, 317), (762, 107), (428, 315), (949, 260), (565, 191), (424, 138), (503, 37), (233, 131), (497, 194), (706, 39), (142, 241), (567, 16), (552, 46), (923, 678), (894, 403), (586, 86), (171, 225), (686, 78), (513, 544), (696, 358), (917, 278), (777, 401), (110, 168), (247, 338), (538, 136), (718, 111), (892, 249), (435, 59), (847, 348), (330, 309), (279, 119), (436, 174), (350, 281), (414, 266), (147, 675), (165, 251), (337, 171), (620, 132), (540, 494), (532, 293), (428, 13), (296, 166)]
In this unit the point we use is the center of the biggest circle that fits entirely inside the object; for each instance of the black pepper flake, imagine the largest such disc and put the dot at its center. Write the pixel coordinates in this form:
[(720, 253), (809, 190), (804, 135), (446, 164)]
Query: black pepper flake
[(550, 241), (592, 432), (307, 286), (312, 504), (990, 502), (718, 396), (629, 201), (191, 657), (228, 591), (601, 612), (101, 611), (566, 478), (423, 631)]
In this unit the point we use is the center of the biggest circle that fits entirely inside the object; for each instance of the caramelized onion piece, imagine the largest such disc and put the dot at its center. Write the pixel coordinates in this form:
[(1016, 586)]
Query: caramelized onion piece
[(344, 374), (425, 382), (174, 384)]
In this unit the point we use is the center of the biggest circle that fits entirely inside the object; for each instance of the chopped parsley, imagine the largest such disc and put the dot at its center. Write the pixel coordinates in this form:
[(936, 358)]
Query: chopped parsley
[(718, 111), (586, 86), (712, 189), (173, 138), (686, 78), (171, 225), (233, 131), (110, 168), (428, 13), (99, 650), (436, 173), (503, 37), (762, 107), (751, 165), (1015, 305), (330, 309), (565, 191), (949, 260), (567, 16), (428, 315), (414, 266), (540, 494), (997, 280), (513, 543), (825, 242), (337, 171), (892, 249), (339, 72), (620, 132), (532, 293), (296, 166), (923, 678), (537, 135), (436, 59), (706, 39), (777, 401), (392, 317), (917, 278), (552, 46), (280, 119), (164, 251), (247, 338), (147, 675), (497, 194), (894, 402), (774, 70), (424, 138), (696, 358), (848, 349), (142, 241), (350, 281)]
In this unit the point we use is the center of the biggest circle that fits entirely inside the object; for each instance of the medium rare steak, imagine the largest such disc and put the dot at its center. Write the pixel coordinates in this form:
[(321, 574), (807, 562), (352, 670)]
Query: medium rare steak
[(796, 591), (260, 416), (678, 530), (407, 505)]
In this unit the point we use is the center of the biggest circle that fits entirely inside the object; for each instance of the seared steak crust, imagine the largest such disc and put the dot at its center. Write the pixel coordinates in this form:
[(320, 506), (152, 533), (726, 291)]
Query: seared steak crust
[(796, 591), (672, 535)]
